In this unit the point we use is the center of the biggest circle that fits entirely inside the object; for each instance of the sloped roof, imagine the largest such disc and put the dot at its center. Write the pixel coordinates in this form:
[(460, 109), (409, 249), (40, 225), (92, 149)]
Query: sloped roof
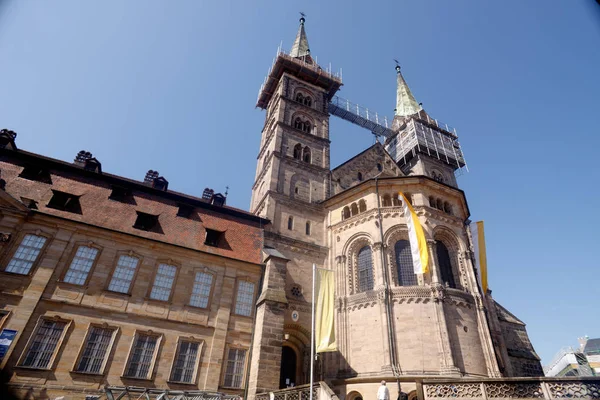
[(506, 315)]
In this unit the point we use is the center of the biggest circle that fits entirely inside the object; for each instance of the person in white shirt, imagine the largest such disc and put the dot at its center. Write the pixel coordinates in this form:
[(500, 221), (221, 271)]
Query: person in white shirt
[(383, 392)]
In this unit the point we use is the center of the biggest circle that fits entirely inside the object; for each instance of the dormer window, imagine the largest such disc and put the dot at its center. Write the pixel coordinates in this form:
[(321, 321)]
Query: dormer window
[(218, 200), (122, 194), (65, 202), (185, 211), (35, 173), (160, 183), (145, 222), (213, 237)]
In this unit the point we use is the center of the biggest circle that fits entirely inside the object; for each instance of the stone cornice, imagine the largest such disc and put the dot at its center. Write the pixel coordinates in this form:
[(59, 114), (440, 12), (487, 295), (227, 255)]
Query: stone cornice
[(295, 244)]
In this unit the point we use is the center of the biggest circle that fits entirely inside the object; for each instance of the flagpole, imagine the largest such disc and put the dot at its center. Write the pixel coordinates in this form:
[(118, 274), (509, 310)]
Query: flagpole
[(312, 333)]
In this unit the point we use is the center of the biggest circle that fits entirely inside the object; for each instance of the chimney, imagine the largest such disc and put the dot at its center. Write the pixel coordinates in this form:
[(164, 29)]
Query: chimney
[(150, 176), (207, 194), (87, 161), (157, 182), (7, 139)]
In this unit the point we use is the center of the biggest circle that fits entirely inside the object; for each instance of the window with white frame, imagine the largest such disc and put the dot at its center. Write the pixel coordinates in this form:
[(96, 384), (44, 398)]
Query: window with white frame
[(43, 344), (26, 254), (123, 275), (234, 371), (95, 350), (163, 282), (186, 359), (81, 265), (142, 356), (244, 299), (201, 290)]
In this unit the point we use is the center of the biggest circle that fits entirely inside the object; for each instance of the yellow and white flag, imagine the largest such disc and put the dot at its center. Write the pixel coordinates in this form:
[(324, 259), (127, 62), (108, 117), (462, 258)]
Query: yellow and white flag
[(478, 235), (416, 237), (324, 305)]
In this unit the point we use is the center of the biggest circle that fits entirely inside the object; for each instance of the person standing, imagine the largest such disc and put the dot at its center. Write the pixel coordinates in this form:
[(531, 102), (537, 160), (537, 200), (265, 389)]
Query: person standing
[(383, 392)]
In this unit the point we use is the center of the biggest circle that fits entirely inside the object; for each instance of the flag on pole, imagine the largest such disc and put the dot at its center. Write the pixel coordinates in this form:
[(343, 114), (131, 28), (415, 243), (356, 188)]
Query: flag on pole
[(416, 236), (324, 305), (478, 235)]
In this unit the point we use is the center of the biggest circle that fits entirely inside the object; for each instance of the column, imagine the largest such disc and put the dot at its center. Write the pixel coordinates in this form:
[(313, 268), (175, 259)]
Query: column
[(265, 363), (438, 293)]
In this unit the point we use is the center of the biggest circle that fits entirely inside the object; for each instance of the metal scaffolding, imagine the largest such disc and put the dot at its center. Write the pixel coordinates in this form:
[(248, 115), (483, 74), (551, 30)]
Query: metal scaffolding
[(141, 393)]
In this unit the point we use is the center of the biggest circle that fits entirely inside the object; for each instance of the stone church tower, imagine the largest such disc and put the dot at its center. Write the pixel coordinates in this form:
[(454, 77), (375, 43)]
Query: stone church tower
[(390, 323)]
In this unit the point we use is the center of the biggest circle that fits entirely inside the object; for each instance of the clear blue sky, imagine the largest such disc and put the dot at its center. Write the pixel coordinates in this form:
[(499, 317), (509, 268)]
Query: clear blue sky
[(171, 86)]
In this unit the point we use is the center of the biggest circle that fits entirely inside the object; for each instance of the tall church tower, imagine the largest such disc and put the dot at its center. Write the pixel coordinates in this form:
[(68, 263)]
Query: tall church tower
[(292, 172), (423, 146), (292, 179)]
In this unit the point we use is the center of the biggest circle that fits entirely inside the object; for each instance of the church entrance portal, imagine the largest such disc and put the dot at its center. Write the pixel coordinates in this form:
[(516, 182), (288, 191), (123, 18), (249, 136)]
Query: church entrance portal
[(287, 376)]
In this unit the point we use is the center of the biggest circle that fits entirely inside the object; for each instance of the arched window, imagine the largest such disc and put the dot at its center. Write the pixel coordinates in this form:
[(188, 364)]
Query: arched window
[(404, 263), (365, 269), (439, 205), (297, 151), (444, 264), (291, 223), (354, 209), (299, 98), (447, 208), (395, 201), (360, 176), (306, 127), (296, 190), (306, 155), (307, 227), (346, 212), (307, 101), (431, 201), (362, 206), (298, 124), (408, 198), (387, 200), (379, 167)]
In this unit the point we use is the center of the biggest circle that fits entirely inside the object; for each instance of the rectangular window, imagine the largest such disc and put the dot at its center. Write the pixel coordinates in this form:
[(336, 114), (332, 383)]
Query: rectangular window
[(81, 265), (26, 254), (44, 344), (234, 371), (245, 297), (163, 282), (146, 222), (184, 367), (141, 357), (34, 173), (95, 350), (185, 211), (212, 237), (201, 290), (121, 194), (65, 202), (123, 275)]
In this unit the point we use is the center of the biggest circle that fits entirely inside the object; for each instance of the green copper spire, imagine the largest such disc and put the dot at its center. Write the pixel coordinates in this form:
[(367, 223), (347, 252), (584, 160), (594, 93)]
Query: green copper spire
[(405, 101), (300, 47)]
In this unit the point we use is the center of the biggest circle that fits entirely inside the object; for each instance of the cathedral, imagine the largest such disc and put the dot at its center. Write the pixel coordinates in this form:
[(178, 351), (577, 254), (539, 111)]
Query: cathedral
[(390, 323), (115, 288)]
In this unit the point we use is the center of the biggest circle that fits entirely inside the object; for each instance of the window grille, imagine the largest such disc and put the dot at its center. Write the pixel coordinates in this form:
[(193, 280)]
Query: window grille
[(245, 297), (201, 290), (234, 371), (141, 356), (163, 282), (185, 362), (26, 254), (365, 269), (81, 265), (44, 344), (123, 275), (404, 263), (95, 350)]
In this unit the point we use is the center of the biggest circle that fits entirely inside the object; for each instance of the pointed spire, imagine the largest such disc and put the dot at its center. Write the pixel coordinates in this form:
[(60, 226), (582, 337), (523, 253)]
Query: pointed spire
[(300, 47), (405, 101)]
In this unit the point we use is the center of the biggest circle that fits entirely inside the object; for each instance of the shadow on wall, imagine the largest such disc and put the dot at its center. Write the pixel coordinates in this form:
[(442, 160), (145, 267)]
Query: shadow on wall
[(6, 393)]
